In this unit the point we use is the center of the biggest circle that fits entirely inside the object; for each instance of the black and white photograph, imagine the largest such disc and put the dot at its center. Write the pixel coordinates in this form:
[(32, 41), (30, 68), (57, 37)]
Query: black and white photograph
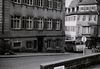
[(49, 34)]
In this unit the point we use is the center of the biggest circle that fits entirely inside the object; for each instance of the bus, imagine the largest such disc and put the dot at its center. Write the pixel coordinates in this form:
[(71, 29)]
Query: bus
[(74, 46)]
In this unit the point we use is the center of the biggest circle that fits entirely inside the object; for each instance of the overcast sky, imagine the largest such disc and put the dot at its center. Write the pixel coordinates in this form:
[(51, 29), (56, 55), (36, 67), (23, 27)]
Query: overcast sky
[(68, 2)]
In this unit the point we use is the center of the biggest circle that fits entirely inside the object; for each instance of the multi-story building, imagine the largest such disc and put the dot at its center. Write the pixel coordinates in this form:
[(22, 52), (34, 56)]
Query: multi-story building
[(32, 25), (71, 20), (84, 15)]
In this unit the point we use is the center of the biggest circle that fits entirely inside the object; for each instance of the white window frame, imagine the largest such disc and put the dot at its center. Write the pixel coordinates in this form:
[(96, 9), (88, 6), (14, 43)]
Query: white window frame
[(40, 3), (16, 25), (17, 42), (50, 4), (40, 24), (30, 2), (49, 45), (58, 5), (58, 23), (86, 30), (17, 1), (49, 24), (31, 45), (29, 23)]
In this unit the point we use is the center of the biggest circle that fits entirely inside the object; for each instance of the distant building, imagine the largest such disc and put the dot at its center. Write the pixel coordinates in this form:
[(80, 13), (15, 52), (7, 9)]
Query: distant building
[(33, 25), (83, 15), (71, 20)]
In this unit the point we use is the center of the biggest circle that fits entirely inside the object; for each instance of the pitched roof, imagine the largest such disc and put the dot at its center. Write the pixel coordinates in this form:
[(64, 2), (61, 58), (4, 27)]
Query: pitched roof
[(87, 2), (73, 3), (83, 2)]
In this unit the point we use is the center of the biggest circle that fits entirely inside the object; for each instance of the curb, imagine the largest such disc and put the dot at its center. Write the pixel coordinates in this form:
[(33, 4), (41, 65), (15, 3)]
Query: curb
[(32, 55)]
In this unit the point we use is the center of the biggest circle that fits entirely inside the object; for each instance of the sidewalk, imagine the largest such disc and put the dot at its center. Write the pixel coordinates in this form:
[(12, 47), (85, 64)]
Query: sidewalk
[(32, 55)]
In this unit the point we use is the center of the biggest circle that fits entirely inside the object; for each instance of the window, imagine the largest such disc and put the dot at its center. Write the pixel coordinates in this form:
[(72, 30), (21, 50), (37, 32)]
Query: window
[(35, 24), (74, 18), (73, 9), (16, 22), (57, 4), (17, 44), (95, 17), (49, 43), (58, 23), (29, 44), (29, 23), (54, 4), (23, 24), (40, 2), (46, 3), (40, 24), (84, 17), (86, 30), (49, 24), (58, 42), (50, 4), (17, 1), (30, 2), (78, 18), (68, 10), (35, 44), (35, 2), (90, 17), (24, 1)]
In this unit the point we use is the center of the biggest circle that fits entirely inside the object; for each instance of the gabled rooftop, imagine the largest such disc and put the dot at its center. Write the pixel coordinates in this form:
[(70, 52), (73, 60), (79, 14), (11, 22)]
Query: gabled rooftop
[(88, 2), (74, 3)]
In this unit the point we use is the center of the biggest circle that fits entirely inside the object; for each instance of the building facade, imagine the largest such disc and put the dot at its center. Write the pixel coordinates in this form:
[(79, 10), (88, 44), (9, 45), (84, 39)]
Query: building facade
[(33, 25), (84, 15)]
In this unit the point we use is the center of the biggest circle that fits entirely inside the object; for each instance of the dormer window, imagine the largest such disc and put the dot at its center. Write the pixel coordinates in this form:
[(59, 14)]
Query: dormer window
[(68, 10), (73, 9)]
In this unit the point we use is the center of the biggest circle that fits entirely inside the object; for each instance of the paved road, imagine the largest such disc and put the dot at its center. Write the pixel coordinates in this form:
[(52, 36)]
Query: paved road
[(31, 62)]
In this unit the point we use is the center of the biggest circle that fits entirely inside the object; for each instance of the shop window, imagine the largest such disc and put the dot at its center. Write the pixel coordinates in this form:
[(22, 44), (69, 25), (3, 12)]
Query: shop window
[(29, 44), (48, 43), (35, 44), (58, 42), (17, 44)]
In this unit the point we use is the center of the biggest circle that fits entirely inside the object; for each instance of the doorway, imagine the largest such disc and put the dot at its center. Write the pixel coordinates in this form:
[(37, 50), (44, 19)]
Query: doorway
[(40, 44)]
